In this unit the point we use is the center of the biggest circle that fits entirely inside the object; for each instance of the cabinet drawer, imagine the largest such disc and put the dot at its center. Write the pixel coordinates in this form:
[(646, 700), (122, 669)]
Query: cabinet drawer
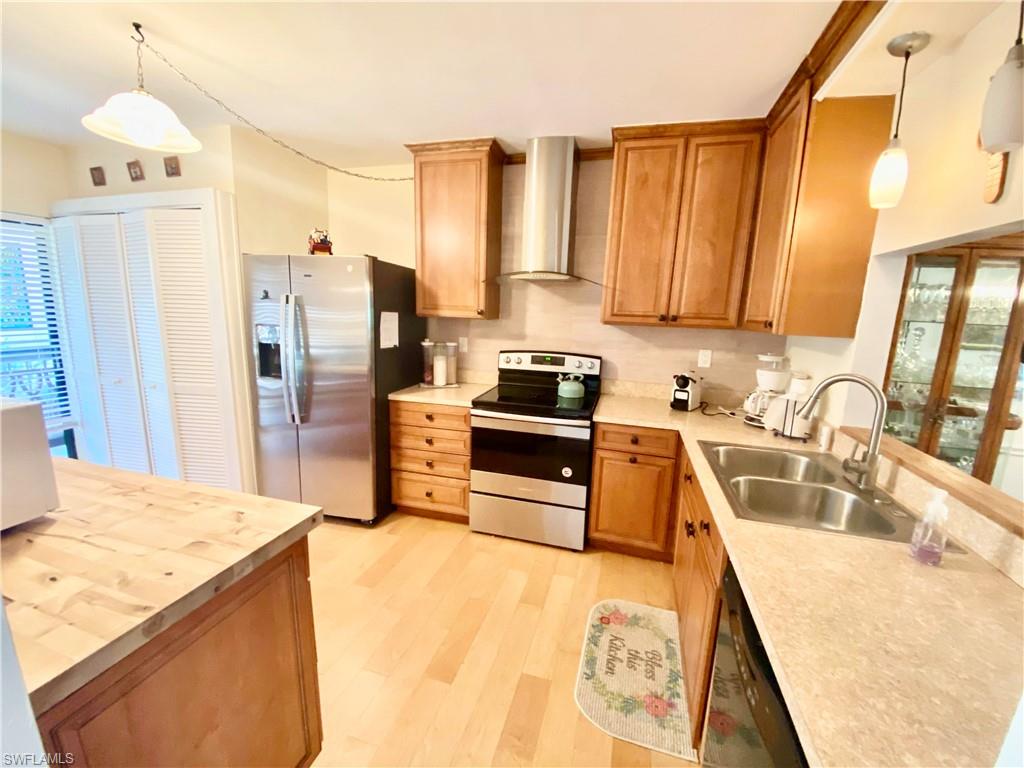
[(430, 463), (424, 415), (653, 442), (438, 494), (430, 439)]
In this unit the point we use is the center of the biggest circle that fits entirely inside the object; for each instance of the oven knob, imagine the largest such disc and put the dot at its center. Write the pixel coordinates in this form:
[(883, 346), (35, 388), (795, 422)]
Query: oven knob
[(579, 363), (590, 365), (508, 358), (519, 360), (566, 471)]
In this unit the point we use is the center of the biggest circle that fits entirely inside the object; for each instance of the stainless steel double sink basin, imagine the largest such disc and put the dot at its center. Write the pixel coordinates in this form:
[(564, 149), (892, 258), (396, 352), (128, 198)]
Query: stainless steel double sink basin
[(804, 490)]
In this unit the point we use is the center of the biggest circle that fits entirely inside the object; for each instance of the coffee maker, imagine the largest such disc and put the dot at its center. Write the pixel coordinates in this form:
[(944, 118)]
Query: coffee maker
[(772, 379), (686, 393)]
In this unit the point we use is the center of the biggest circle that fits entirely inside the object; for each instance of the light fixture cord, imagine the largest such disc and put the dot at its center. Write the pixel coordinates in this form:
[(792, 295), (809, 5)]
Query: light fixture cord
[(138, 56), (903, 87), (1020, 25), (249, 123)]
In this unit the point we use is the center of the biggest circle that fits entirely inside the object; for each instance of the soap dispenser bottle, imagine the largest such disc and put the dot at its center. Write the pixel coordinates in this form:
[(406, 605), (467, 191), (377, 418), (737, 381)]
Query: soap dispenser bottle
[(929, 539)]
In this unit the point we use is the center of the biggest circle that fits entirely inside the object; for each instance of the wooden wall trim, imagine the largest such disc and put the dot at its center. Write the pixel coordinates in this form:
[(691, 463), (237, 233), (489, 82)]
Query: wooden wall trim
[(455, 145), (847, 24), (997, 506), (590, 153), (697, 128)]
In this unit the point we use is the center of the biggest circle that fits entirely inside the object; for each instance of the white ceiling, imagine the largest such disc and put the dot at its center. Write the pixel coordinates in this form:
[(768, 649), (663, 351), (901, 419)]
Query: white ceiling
[(869, 69), (357, 81)]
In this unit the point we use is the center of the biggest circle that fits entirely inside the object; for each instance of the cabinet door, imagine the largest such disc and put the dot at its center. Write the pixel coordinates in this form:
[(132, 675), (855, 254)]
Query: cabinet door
[(458, 230), (698, 623), (774, 227), (631, 497), (685, 548), (715, 218), (646, 189)]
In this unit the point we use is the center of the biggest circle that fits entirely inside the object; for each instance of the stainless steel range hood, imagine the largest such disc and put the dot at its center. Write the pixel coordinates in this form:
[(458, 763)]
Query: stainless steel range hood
[(549, 210)]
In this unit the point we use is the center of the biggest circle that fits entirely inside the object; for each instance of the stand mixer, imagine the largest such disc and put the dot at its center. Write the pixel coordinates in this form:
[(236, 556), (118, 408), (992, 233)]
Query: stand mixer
[(772, 380)]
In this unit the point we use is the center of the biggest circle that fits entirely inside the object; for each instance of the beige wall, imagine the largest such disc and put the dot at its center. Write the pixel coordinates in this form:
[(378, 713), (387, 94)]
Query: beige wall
[(33, 174), (210, 167), (567, 316), (279, 196), (942, 204), (373, 217)]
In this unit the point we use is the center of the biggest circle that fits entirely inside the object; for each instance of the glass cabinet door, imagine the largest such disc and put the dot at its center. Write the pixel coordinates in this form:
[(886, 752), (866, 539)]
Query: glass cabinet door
[(978, 357), (917, 360)]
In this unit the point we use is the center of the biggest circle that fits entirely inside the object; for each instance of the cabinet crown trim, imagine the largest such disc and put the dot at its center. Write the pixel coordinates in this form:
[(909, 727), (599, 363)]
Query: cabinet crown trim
[(455, 145), (664, 130)]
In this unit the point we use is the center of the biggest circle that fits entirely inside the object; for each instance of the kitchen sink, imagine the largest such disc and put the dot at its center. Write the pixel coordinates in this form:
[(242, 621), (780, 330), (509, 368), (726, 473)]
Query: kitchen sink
[(805, 490), (737, 460)]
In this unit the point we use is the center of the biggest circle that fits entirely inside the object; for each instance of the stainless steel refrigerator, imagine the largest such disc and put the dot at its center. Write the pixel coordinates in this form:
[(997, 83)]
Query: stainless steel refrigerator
[(331, 336)]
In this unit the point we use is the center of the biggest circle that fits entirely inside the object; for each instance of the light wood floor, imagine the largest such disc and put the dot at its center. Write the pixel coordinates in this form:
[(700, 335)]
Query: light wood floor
[(437, 646)]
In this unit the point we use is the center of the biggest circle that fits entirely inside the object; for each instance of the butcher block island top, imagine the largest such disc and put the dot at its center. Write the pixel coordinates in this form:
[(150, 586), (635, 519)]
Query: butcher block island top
[(126, 556)]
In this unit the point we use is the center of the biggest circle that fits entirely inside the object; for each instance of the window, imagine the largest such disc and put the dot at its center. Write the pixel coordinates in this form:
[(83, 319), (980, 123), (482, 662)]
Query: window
[(31, 359)]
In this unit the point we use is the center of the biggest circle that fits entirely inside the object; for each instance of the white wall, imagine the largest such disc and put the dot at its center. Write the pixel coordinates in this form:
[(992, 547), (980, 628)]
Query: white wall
[(942, 204), (33, 174), (373, 217), (567, 316), (209, 167), (279, 196)]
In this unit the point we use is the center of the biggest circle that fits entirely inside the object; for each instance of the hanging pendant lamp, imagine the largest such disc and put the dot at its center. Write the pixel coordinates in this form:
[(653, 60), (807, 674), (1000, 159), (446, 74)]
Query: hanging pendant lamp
[(1002, 117), (889, 178), (138, 118)]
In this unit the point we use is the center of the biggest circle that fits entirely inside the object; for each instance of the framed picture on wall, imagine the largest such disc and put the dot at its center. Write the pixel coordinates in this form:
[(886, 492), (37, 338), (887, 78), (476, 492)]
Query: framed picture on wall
[(172, 165), (135, 172), (99, 178)]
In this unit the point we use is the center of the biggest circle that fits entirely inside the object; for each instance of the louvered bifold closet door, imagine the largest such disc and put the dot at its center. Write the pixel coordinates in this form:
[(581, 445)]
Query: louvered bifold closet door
[(150, 344), (101, 261), (184, 299)]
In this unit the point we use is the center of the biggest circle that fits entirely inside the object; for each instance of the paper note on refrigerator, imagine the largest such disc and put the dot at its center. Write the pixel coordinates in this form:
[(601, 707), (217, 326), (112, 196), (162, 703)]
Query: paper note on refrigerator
[(388, 330)]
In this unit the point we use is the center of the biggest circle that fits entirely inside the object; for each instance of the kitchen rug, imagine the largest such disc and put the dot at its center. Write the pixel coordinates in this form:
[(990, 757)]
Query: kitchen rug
[(630, 682)]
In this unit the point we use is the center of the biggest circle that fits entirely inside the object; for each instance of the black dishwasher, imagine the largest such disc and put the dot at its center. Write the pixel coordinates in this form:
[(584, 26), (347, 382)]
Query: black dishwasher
[(748, 725)]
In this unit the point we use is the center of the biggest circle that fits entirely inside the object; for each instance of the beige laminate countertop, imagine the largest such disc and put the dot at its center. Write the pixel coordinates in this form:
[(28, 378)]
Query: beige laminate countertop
[(881, 660), (125, 556), (461, 395)]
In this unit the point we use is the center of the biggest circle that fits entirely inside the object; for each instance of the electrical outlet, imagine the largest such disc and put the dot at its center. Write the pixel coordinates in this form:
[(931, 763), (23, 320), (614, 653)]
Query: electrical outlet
[(704, 358), (463, 344)]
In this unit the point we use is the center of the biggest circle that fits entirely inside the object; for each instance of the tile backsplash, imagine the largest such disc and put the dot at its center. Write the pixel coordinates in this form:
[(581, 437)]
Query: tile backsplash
[(566, 316)]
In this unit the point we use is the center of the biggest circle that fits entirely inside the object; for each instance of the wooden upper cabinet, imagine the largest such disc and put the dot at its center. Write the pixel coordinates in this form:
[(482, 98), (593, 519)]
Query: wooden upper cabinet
[(780, 180), (646, 188), (678, 234), (458, 227), (715, 219), (814, 226)]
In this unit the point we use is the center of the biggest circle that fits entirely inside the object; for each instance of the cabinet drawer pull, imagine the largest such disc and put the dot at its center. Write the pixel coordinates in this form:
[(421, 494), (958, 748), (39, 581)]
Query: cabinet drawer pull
[(673, 318), (429, 440), (690, 531), (430, 463), (430, 417), (429, 494), (479, 311), (634, 440), (662, 318), (632, 459), (687, 478), (706, 527)]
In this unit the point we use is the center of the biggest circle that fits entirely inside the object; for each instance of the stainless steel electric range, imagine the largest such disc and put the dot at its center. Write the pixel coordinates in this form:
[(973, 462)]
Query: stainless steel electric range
[(530, 463)]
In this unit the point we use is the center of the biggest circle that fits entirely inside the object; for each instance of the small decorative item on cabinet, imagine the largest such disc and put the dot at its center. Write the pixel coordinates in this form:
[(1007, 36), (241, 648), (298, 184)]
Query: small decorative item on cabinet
[(320, 242)]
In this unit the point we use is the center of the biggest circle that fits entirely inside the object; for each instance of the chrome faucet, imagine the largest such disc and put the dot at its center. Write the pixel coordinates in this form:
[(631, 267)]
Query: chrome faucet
[(864, 469)]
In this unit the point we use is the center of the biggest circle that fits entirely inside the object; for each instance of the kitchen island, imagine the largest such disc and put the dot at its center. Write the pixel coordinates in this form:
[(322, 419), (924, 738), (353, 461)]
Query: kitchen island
[(164, 622)]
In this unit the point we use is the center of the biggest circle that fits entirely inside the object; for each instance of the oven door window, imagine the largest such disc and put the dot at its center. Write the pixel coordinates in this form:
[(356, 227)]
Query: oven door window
[(542, 457)]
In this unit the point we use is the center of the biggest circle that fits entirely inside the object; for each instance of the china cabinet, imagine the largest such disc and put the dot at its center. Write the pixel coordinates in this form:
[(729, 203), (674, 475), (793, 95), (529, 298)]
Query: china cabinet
[(954, 381)]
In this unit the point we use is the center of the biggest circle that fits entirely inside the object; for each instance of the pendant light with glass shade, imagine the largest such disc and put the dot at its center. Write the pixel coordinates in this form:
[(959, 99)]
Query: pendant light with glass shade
[(136, 117), (889, 178), (1002, 117)]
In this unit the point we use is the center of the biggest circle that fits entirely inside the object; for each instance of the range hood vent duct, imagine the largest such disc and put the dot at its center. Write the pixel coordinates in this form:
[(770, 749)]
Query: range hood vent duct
[(549, 210)]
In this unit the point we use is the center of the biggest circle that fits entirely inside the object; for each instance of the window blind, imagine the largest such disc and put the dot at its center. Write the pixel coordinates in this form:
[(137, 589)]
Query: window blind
[(31, 359)]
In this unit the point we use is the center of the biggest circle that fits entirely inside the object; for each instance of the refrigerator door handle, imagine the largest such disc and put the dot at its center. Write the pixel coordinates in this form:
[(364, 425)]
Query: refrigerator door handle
[(300, 359), (286, 354)]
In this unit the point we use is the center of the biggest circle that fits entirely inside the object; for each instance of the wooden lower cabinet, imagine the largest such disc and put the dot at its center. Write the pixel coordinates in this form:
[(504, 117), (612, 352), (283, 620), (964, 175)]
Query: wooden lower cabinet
[(632, 502), (430, 456), (696, 575), (233, 683)]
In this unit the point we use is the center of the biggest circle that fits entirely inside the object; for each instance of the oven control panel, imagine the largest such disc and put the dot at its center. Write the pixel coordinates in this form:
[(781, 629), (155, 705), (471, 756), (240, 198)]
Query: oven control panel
[(548, 362)]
